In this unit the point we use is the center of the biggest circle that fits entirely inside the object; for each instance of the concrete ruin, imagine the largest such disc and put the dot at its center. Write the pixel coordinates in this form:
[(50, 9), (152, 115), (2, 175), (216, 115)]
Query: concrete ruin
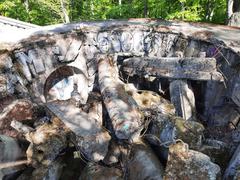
[(192, 65)]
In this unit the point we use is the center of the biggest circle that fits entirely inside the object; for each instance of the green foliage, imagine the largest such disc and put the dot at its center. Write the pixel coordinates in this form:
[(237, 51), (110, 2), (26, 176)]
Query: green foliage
[(44, 12)]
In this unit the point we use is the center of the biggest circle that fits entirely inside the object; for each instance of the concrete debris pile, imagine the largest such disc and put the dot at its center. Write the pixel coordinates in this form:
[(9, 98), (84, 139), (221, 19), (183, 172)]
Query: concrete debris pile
[(107, 102)]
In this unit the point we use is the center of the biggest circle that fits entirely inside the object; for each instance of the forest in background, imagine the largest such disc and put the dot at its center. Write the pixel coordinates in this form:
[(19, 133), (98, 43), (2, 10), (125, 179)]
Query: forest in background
[(46, 12)]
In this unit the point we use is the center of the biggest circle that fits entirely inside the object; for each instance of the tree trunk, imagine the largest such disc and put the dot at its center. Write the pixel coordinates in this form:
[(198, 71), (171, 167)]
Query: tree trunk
[(229, 8), (233, 12), (26, 4), (64, 11), (92, 7), (145, 8), (120, 4)]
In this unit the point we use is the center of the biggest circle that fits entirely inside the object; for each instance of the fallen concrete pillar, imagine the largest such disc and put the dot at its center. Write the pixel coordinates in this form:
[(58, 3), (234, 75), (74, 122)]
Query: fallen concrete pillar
[(126, 118), (183, 99)]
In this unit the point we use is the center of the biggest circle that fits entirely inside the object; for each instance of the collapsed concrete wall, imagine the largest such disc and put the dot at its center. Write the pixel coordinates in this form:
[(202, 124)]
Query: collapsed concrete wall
[(33, 59), (61, 63)]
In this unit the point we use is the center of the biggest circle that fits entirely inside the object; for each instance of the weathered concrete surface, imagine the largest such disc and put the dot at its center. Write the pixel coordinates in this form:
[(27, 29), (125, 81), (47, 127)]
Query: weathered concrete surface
[(19, 110), (126, 118), (218, 151), (91, 138), (10, 153), (202, 31), (144, 164), (174, 68), (188, 164), (46, 142), (147, 100), (167, 129), (183, 99)]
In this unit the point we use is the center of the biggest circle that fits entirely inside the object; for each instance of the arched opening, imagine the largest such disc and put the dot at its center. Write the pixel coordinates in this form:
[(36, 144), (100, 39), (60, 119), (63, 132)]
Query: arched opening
[(66, 82)]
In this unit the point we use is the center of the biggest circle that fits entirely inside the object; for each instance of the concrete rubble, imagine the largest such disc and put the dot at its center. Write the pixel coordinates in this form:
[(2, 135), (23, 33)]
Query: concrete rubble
[(138, 99), (191, 164)]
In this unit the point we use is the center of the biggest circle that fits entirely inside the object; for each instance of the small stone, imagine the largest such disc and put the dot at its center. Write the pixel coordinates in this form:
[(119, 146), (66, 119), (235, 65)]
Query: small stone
[(188, 164)]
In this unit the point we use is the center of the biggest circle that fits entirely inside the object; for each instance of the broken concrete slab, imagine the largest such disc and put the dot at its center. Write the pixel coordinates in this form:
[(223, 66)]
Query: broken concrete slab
[(144, 164), (46, 142), (185, 163), (150, 100), (74, 118), (91, 138), (165, 130), (176, 68), (19, 110)]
